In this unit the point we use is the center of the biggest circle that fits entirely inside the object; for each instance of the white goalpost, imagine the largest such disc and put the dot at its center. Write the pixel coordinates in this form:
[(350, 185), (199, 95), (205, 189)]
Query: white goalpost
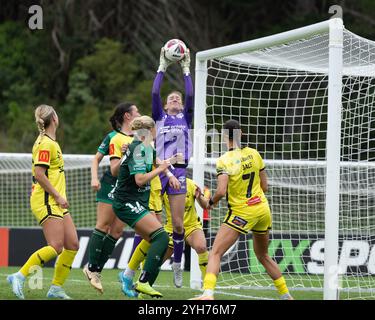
[(305, 101)]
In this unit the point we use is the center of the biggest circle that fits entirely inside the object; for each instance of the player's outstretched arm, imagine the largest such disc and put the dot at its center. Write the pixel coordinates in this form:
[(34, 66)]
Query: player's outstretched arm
[(157, 104), (189, 90)]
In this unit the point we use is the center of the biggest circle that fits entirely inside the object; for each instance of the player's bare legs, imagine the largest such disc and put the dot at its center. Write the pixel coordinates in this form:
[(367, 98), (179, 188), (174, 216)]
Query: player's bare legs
[(149, 224), (177, 205), (260, 244), (65, 260), (53, 230), (70, 234), (104, 217), (224, 239), (197, 241)]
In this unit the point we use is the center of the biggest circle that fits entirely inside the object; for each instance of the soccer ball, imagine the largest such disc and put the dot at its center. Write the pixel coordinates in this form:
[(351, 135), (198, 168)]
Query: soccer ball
[(174, 50)]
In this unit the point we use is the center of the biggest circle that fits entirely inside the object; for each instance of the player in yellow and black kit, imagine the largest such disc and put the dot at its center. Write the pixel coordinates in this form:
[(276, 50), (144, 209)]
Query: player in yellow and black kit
[(50, 207), (242, 177)]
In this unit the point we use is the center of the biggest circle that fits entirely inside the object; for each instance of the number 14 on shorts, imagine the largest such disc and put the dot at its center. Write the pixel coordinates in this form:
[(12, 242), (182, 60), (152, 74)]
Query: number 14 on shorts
[(137, 208)]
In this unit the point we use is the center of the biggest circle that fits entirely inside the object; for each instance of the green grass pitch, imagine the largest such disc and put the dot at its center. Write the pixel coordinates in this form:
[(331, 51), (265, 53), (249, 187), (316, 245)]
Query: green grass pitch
[(78, 288)]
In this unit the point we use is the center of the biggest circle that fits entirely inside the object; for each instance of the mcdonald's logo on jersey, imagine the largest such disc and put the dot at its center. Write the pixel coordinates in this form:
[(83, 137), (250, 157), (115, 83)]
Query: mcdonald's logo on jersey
[(43, 156), (111, 149)]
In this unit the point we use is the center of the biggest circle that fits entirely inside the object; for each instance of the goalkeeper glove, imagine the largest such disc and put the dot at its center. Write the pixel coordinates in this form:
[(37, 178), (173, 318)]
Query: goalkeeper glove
[(185, 62), (164, 62)]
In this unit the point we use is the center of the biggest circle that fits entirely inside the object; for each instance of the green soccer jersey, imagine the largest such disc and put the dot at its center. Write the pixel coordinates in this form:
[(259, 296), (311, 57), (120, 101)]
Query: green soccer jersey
[(138, 159), (104, 150)]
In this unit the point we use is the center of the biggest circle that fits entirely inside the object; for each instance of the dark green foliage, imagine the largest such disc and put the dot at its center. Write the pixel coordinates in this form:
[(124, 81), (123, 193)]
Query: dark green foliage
[(93, 54)]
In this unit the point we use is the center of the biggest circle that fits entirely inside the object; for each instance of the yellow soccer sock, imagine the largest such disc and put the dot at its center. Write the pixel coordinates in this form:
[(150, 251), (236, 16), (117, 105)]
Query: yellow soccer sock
[(63, 266), (209, 281), (280, 285), (139, 255), (38, 258), (203, 260)]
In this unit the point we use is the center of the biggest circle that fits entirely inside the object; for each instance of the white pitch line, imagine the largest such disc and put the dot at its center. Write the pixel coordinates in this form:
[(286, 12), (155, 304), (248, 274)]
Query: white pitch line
[(170, 288)]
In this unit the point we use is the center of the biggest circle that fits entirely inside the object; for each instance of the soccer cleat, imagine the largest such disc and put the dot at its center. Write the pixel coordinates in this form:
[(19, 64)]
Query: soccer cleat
[(17, 285), (203, 297), (94, 278), (144, 287), (127, 285), (57, 292), (177, 274)]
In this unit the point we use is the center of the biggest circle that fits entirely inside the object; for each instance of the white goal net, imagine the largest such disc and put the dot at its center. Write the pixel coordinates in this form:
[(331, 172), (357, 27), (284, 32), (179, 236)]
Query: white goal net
[(279, 94), (15, 188)]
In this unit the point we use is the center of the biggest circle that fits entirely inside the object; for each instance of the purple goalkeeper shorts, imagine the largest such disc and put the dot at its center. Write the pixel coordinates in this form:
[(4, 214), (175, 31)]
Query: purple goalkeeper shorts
[(180, 174)]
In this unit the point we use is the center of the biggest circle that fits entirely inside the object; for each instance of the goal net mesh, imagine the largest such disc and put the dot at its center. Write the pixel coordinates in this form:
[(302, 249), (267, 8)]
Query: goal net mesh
[(15, 189), (280, 95)]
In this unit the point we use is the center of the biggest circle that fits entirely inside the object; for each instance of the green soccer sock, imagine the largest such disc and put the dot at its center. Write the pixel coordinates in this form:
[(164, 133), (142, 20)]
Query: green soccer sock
[(109, 244), (154, 260), (95, 249)]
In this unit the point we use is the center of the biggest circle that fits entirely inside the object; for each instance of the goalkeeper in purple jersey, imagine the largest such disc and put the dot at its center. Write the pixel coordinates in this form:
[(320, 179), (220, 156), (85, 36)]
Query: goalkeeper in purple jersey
[(173, 122)]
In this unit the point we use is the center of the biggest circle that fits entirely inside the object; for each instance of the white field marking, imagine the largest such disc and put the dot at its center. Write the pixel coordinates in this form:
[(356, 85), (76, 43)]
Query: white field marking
[(170, 288)]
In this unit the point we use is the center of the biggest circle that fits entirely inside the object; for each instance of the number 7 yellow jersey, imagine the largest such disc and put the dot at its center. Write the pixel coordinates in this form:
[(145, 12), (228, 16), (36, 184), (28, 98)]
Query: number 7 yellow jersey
[(242, 167)]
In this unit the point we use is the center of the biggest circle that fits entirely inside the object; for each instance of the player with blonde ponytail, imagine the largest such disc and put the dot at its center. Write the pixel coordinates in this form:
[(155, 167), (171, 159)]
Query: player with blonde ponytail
[(131, 199), (50, 207)]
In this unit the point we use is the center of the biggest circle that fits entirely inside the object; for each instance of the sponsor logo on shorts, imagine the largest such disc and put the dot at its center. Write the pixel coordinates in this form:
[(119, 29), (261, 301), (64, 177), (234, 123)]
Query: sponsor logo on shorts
[(182, 179), (239, 221), (137, 209)]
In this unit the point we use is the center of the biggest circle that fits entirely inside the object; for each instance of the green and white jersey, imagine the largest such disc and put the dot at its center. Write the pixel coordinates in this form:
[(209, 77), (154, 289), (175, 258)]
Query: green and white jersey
[(104, 150), (138, 159)]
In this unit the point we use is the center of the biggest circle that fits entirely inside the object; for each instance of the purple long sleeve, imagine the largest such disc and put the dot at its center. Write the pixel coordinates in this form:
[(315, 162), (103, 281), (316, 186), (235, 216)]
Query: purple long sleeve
[(172, 131), (157, 104), (189, 100)]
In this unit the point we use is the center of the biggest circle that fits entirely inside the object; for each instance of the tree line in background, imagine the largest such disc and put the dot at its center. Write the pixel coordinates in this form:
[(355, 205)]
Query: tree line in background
[(94, 54)]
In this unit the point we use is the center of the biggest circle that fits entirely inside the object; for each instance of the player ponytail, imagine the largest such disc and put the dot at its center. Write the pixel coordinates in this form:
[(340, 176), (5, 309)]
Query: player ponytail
[(232, 130), (43, 117), (117, 118)]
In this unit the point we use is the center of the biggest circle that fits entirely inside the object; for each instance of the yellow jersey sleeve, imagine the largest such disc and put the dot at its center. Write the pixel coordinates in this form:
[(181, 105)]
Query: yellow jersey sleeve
[(44, 152), (116, 143), (221, 168)]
